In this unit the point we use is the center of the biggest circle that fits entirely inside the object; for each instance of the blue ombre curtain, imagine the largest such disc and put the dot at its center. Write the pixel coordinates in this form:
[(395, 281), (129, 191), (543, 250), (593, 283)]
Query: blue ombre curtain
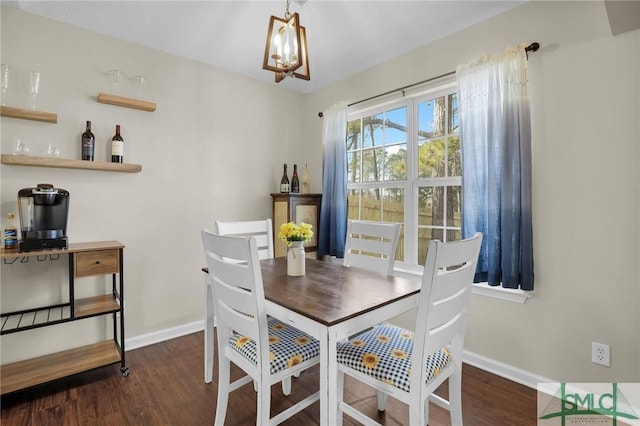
[(496, 166), (333, 211)]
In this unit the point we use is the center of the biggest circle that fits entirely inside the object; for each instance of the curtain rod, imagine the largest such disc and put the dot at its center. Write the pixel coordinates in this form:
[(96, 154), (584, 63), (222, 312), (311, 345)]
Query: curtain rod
[(533, 47)]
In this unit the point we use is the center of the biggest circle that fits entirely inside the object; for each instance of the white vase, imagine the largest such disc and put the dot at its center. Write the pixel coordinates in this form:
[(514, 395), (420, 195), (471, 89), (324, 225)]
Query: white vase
[(295, 259)]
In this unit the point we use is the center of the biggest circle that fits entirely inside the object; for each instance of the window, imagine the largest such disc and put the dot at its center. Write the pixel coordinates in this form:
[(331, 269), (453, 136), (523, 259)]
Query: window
[(404, 166)]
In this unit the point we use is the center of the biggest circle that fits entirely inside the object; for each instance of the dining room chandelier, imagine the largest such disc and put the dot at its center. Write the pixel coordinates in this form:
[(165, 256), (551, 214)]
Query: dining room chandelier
[(285, 52)]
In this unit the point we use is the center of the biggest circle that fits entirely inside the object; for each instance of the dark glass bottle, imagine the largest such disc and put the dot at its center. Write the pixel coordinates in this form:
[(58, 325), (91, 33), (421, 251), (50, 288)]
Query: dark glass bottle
[(117, 147), (284, 182), (88, 143), (295, 182)]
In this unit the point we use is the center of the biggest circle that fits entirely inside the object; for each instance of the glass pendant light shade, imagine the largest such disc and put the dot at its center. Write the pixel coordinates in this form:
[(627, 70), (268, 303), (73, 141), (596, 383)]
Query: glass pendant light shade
[(283, 41), (303, 71)]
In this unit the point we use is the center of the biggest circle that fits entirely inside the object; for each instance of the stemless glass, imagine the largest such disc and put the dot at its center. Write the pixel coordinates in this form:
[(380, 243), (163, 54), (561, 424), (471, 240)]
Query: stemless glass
[(139, 81), (53, 150), (21, 148), (34, 87), (115, 77), (4, 79)]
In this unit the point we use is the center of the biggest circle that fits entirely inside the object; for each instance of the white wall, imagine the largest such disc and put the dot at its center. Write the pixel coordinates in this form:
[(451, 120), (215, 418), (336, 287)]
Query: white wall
[(585, 92), (213, 149)]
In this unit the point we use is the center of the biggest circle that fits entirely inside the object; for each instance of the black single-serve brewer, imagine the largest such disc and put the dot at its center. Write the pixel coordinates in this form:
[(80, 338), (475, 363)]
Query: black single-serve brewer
[(43, 218)]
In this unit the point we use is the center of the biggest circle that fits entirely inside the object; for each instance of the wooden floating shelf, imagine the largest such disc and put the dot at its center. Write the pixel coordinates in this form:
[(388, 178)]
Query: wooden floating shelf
[(28, 114), (105, 98), (25, 160)]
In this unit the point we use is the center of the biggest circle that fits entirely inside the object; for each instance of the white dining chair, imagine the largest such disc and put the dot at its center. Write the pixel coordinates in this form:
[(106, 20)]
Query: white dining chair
[(410, 366), (263, 232), (266, 349), (372, 245)]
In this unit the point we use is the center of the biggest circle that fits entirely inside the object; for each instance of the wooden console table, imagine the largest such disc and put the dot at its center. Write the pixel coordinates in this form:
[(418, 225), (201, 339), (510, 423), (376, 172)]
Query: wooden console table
[(85, 260)]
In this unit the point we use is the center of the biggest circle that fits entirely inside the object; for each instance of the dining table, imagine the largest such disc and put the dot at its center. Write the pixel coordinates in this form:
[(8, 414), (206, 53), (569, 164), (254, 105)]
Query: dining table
[(332, 302)]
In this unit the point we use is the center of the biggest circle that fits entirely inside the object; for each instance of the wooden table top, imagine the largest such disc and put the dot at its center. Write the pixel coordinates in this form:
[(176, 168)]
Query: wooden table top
[(330, 293), (73, 248)]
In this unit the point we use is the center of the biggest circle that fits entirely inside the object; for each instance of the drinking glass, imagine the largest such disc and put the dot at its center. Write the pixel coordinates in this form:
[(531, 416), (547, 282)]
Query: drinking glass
[(53, 150), (21, 148), (139, 81), (34, 86), (115, 77), (4, 79)]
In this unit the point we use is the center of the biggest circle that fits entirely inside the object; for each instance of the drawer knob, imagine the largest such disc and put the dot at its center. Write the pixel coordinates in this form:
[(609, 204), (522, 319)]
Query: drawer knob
[(97, 262)]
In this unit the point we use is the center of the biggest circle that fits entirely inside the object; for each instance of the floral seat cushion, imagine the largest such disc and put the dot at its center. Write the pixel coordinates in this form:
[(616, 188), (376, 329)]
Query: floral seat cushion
[(384, 352), (288, 346)]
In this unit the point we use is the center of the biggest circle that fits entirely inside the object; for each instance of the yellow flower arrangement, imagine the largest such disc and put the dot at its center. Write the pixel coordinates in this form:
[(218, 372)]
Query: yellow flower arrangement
[(290, 232)]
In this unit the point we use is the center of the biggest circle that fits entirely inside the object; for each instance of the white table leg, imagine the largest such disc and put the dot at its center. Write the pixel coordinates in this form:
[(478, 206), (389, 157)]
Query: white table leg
[(209, 323), (324, 374), (332, 372)]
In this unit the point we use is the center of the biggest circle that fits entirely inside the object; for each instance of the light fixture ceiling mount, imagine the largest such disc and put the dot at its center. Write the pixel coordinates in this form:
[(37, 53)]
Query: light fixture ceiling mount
[(285, 52)]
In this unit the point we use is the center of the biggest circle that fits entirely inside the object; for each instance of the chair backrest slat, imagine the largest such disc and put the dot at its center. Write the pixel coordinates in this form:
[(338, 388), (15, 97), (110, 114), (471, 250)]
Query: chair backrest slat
[(261, 230), (449, 283), (238, 273), (372, 245)]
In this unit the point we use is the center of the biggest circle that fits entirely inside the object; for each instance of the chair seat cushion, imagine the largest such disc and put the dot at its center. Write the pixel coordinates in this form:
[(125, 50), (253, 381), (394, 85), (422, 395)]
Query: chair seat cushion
[(288, 346), (384, 352)]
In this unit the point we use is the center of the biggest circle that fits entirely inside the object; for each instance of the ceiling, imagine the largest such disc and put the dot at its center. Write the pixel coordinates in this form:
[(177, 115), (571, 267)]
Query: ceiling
[(344, 37)]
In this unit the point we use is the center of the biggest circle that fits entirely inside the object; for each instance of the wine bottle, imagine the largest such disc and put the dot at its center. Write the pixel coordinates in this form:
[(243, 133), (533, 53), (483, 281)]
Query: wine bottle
[(306, 180), (117, 147), (10, 234), (295, 182), (88, 143), (284, 182)]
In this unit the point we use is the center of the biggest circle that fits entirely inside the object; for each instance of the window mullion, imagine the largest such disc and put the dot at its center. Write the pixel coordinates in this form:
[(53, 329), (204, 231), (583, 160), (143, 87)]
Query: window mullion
[(411, 191)]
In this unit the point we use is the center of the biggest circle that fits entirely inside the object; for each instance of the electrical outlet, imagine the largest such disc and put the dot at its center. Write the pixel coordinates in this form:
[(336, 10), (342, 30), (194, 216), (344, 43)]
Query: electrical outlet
[(600, 354)]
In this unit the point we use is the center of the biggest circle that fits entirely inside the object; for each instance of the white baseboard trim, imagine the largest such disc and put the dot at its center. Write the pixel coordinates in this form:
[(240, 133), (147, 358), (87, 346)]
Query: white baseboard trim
[(162, 335), (504, 370)]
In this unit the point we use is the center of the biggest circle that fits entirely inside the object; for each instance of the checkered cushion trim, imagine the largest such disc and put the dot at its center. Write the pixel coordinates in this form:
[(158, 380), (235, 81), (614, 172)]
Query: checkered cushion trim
[(385, 353), (288, 346)]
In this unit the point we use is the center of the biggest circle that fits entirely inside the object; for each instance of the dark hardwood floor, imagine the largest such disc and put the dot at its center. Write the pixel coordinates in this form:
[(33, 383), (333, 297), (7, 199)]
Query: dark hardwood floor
[(166, 387)]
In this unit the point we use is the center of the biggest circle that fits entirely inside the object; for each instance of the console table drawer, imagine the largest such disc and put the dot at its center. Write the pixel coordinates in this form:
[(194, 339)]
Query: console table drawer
[(97, 262)]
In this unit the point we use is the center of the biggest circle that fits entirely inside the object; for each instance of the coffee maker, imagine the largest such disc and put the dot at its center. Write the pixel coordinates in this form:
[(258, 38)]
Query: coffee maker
[(43, 218)]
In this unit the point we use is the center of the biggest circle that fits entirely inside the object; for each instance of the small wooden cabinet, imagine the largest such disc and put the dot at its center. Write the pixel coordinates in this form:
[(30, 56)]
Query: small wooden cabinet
[(296, 207), (85, 260)]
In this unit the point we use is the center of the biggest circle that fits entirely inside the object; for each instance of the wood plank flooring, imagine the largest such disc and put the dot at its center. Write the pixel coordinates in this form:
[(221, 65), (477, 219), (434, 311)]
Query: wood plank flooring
[(166, 387)]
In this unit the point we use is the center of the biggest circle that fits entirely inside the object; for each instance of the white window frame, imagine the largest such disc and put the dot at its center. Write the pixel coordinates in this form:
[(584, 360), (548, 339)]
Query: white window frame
[(411, 184)]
